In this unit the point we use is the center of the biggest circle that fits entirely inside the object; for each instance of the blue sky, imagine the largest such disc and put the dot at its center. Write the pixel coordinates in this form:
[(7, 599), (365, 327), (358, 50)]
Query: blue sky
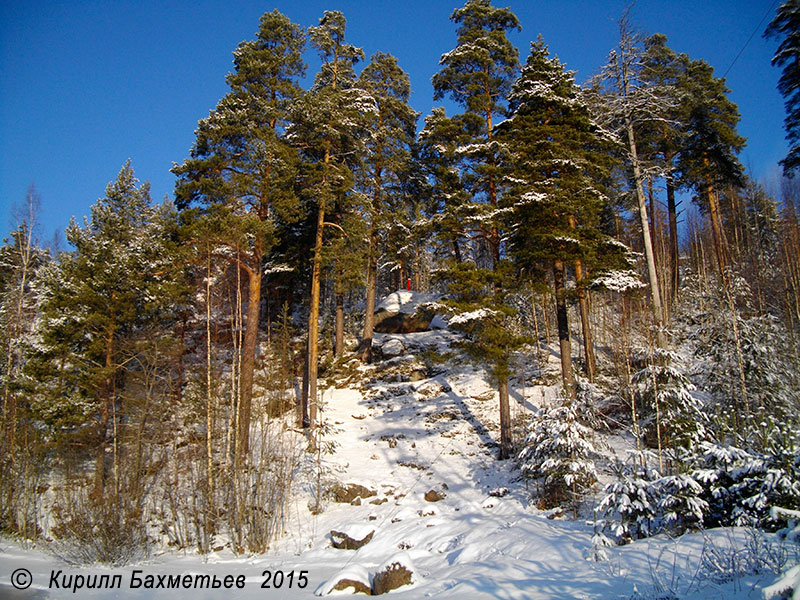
[(84, 86)]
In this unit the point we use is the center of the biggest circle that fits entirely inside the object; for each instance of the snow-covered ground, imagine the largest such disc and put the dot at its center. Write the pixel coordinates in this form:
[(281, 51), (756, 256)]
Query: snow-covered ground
[(485, 539)]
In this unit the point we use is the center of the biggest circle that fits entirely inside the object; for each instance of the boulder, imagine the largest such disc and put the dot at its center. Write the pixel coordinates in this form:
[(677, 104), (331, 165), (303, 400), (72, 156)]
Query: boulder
[(392, 347), (394, 573), (439, 492), (353, 578), (347, 492), (404, 312), (351, 540)]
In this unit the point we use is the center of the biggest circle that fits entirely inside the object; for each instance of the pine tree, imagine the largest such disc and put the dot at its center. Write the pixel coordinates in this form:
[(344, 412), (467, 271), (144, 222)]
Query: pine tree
[(385, 165), (328, 126), (708, 160), (479, 301), (663, 138), (243, 171), (477, 74), (785, 26)]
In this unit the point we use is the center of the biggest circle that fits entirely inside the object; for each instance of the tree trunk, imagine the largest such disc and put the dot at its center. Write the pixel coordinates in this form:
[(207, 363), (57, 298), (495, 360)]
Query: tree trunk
[(655, 294), (249, 356), (364, 352), (720, 247), (563, 328), (673, 238), (583, 305), (313, 313), (505, 419), (105, 413), (338, 341)]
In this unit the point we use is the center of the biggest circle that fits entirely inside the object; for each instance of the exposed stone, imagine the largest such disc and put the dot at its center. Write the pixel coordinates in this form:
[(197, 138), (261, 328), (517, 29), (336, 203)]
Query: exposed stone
[(393, 574), (346, 493), (353, 578), (437, 493), (404, 312), (392, 347), (343, 541), (359, 587)]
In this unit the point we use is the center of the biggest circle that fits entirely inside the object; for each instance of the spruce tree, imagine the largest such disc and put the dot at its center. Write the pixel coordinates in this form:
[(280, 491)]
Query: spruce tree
[(242, 171), (95, 301), (558, 173)]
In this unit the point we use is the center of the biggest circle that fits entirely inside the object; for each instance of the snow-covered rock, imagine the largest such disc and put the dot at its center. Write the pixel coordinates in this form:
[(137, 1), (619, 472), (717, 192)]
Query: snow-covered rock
[(353, 579), (394, 573), (352, 537), (405, 312), (392, 347)]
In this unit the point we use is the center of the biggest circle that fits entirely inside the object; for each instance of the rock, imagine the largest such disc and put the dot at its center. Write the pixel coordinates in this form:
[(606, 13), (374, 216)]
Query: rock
[(404, 323), (417, 376), (353, 577), (351, 540), (346, 493), (437, 493), (394, 573), (404, 312), (392, 347), (359, 587)]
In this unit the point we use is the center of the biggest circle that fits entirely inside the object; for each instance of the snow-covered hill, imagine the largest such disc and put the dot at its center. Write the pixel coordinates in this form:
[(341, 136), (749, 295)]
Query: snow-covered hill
[(419, 436)]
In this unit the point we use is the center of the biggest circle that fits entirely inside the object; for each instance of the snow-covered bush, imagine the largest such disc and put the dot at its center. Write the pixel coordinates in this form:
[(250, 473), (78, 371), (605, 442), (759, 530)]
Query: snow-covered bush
[(743, 361), (558, 452), (642, 503), (741, 487), (629, 504), (675, 416)]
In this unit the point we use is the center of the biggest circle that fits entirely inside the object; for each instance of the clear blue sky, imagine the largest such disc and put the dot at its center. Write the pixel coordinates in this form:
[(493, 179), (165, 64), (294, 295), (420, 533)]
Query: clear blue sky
[(86, 85)]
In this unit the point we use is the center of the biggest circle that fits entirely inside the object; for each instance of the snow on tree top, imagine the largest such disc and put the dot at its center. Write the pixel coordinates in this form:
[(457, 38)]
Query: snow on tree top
[(619, 281)]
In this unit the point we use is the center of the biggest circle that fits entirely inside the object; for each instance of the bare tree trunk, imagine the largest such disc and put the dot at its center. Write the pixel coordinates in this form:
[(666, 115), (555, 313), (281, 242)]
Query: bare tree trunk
[(720, 245), (338, 342), (364, 351), (673, 238), (583, 306), (313, 314), (249, 355), (209, 392), (655, 294), (505, 419), (563, 328)]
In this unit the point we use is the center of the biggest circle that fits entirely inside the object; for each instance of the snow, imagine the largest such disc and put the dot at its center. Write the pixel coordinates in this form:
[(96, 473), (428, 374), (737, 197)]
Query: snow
[(475, 543), (405, 301)]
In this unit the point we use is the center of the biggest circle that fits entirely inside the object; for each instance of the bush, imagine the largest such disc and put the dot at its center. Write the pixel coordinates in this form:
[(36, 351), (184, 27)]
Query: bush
[(111, 530)]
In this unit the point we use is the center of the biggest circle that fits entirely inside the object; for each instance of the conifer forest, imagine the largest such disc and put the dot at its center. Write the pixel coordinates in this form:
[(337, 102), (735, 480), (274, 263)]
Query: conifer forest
[(537, 343)]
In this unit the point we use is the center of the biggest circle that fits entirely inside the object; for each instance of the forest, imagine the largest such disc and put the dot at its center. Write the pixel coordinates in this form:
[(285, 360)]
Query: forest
[(166, 378)]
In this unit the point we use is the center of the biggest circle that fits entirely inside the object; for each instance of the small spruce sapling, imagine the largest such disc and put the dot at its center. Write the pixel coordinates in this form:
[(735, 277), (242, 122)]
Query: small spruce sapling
[(558, 451)]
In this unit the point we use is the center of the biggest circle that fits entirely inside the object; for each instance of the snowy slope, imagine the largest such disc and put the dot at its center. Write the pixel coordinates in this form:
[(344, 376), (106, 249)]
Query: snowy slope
[(484, 539)]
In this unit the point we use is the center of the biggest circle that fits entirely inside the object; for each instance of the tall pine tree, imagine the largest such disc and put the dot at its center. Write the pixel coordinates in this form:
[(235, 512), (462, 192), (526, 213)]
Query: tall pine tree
[(243, 171)]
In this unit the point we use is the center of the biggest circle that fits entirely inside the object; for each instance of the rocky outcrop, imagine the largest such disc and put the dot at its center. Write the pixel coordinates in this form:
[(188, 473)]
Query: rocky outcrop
[(404, 312)]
